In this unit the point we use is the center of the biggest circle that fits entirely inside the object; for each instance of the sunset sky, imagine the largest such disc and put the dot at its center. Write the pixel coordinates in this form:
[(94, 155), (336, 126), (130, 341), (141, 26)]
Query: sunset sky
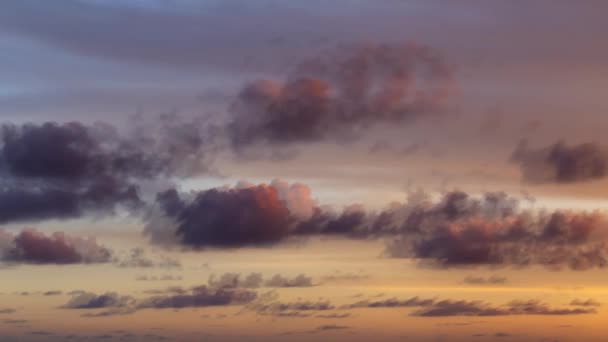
[(297, 170)]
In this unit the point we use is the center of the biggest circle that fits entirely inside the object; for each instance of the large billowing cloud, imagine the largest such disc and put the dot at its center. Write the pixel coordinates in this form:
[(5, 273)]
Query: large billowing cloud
[(337, 96), (561, 163), (53, 170), (33, 247), (248, 215), (457, 230), (464, 231)]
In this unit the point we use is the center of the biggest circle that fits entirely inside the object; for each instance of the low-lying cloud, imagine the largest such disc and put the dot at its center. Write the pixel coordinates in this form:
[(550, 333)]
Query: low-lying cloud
[(34, 247)]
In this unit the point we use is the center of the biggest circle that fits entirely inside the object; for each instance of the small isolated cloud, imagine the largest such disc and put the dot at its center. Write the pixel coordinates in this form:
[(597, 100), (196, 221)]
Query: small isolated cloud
[(561, 163), (88, 300), (392, 303), (492, 280), (334, 315), (269, 305), (257, 280), (344, 277), (449, 307), (52, 293), (34, 247), (166, 277), (138, 258), (332, 327), (200, 296), (281, 281), (585, 303)]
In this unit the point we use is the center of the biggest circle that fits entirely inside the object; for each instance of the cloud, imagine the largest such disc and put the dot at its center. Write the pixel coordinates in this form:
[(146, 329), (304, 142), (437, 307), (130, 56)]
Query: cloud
[(137, 258), (62, 171), (561, 163), (492, 280), (339, 95), (392, 303), (334, 315), (52, 293), (33, 247), (229, 218), (338, 276), (88, 300), (7, 311), (256, 280), (455, 231), (200, 296), (166, 277), (290, 309), (300, 280), (588, 303), (464, 231), (332, 327), (448, 307)]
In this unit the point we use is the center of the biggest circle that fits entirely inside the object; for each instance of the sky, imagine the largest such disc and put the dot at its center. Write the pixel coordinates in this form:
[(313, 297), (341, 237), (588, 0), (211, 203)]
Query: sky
[(232, 170)]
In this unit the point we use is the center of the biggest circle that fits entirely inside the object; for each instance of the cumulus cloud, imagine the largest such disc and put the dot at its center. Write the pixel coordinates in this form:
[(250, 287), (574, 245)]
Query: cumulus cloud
[(33, 247), (246, 215), (561, 163), (464, 231), (457, 230), (338, 95), (52, 170)]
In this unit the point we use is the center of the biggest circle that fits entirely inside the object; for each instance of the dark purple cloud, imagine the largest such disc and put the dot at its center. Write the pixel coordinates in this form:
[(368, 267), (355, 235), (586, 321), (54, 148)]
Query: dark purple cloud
[(53, 170)]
